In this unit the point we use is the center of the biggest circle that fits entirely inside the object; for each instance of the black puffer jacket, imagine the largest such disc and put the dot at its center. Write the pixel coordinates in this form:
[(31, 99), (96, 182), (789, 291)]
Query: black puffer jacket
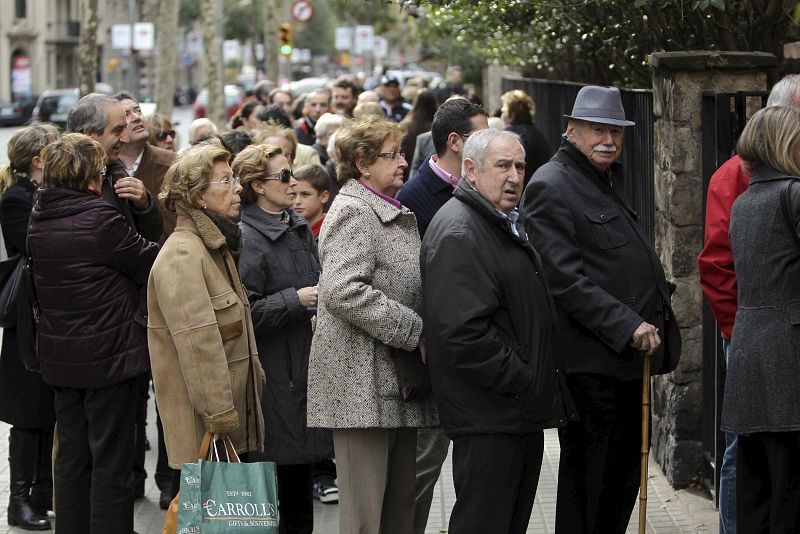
[(88, 266), (489, 321), (278, 258)]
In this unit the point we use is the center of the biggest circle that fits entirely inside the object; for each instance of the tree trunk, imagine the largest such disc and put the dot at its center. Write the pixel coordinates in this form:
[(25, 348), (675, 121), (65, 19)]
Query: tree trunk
[(271, 52), (213, 49), (167, 56), (87, 47)]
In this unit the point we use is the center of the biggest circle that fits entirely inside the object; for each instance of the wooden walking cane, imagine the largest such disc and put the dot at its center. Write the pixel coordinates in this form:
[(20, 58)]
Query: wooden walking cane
[(645, 442)]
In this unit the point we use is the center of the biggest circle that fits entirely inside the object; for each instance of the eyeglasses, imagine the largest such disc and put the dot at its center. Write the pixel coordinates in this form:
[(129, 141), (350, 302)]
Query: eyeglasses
[(391, 155), (161, 136), (284, 175), (227, 181), (465, 136)]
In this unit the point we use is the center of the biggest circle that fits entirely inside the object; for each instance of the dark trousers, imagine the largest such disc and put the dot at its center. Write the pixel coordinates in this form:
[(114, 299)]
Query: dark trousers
[(164, 473), (296, 502), (93, 471), (140, 435), (768, 483), (495, 477), (598, 475), (323, 470)]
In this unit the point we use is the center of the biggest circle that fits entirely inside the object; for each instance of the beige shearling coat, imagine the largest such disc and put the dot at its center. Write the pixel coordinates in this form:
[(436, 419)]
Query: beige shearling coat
[(369, 297), (206, 370)]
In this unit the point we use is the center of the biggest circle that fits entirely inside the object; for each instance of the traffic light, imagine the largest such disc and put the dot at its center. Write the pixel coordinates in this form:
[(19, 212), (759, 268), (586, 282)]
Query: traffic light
[(286, 41)]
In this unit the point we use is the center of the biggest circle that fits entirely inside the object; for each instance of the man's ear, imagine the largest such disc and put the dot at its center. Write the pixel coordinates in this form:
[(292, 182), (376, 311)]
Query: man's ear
[(469, 170), (452, 141)]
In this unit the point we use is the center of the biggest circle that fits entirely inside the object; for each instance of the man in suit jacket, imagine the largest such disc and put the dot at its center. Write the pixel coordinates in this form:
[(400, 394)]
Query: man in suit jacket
[(424, 194), (614, 306), (422, 151), (143, 160)]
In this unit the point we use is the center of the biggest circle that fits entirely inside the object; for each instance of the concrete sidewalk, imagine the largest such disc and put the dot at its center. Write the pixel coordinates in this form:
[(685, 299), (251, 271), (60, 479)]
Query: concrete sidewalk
[(668, 511)]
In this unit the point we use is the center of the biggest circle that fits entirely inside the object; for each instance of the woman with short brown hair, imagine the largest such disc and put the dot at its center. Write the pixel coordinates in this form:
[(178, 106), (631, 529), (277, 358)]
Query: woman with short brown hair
[(369, 304), (88, 267), (206, 372), (280, 269)]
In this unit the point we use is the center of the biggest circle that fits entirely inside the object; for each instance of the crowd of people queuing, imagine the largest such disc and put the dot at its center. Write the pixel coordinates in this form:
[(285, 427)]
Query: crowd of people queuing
[(268, 279)]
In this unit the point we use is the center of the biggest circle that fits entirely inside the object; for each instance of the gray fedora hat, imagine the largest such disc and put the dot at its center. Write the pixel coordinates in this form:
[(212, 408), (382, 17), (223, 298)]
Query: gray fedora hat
[(599, 104)]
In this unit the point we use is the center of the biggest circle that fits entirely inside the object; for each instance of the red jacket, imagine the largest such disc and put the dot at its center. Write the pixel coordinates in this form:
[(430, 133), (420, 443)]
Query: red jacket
[(717, 277)]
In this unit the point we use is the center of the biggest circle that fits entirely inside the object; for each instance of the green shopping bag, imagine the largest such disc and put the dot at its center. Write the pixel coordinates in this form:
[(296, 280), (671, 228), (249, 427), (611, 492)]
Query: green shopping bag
[(219, 494)]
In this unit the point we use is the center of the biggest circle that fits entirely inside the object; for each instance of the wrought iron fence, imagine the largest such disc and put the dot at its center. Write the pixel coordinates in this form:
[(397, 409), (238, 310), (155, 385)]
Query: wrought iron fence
[(555, 98)]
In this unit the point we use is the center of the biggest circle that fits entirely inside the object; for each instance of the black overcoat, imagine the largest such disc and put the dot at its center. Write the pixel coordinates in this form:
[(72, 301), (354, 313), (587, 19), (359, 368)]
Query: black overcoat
[(489, 322), (605, 276), (278, 258), (25, 400)]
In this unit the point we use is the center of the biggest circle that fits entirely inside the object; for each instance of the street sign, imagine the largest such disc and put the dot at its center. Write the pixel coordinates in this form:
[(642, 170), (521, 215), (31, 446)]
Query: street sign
[(365, 39), (187, 60), (381, 47), (144, 36), (302, 10), (121, 36), (344, 38), (231, 50)]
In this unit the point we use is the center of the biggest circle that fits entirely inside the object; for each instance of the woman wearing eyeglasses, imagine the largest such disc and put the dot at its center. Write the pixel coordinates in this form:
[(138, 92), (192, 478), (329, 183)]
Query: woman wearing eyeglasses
[(280, 270), (369, 302), (206, 373), (162, 134)]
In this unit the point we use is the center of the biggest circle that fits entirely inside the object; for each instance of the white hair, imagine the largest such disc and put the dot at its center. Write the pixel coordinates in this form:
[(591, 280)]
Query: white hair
[(199, 123), (475, 147), (783, 93), (325, 121)]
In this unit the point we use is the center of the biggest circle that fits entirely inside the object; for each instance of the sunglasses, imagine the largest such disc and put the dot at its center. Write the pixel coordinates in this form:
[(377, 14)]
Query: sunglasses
[(284, 175), (161, 136)]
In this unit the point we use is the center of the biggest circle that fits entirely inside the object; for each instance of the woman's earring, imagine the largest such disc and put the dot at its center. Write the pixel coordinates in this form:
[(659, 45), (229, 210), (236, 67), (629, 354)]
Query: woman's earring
[(366, 174)]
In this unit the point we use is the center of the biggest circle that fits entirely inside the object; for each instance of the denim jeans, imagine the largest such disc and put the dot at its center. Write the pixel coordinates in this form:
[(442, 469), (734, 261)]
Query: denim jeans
[(727, 475)]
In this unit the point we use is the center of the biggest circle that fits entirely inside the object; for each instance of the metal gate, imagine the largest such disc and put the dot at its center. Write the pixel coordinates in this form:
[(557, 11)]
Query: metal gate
[(723, 118)]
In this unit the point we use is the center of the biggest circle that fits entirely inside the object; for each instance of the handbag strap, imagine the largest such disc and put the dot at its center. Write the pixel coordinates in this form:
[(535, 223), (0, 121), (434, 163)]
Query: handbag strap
[(786, 207)]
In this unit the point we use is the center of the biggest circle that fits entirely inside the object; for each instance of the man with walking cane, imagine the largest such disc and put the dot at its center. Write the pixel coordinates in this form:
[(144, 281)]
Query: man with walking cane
[(614, 312)]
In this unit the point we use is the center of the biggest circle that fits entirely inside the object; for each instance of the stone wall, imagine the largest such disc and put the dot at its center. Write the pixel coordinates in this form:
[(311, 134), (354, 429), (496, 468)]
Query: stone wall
[(679, 79)]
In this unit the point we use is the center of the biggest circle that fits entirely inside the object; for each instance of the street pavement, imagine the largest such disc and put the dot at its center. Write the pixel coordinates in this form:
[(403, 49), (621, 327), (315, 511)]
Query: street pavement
[(668, 511)]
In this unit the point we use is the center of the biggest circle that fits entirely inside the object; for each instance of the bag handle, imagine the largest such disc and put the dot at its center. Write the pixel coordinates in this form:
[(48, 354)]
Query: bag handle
[(786, 207), (204, 446)]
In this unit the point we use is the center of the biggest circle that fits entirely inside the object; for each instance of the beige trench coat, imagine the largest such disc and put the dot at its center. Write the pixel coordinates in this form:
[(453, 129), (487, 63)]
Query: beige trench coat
[(369, 297), (206, 370)]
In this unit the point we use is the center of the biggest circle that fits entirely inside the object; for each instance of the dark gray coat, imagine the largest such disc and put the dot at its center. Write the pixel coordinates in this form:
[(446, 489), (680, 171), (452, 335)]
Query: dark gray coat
[(761, 388), (278, 259), (604, 274)]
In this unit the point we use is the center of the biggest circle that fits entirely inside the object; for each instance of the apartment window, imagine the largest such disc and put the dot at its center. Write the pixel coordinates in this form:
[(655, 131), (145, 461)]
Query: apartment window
[(21, 8)]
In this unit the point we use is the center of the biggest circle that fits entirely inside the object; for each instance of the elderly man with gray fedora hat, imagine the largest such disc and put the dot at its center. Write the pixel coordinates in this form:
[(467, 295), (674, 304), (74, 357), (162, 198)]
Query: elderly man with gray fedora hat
[(614, 306)]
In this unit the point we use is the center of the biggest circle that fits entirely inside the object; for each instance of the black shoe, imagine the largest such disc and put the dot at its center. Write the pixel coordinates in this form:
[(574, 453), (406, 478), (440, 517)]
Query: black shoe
[(165, 499), (23, 455)]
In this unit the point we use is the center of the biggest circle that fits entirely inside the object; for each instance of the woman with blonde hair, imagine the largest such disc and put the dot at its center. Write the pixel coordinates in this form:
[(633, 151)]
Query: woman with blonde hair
[(26, 403), (280, 270), (762, 400), (205, 368), (272, 133), (369, 305), (88, 267), (518, 111)]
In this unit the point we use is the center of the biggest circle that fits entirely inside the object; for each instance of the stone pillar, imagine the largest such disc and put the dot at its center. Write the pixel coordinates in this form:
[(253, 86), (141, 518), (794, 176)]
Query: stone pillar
[(679, 79)]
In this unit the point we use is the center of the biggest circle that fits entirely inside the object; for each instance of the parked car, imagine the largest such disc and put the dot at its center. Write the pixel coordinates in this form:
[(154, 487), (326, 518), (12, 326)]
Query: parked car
[(54, 106), (233, 99), (18, 111)]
